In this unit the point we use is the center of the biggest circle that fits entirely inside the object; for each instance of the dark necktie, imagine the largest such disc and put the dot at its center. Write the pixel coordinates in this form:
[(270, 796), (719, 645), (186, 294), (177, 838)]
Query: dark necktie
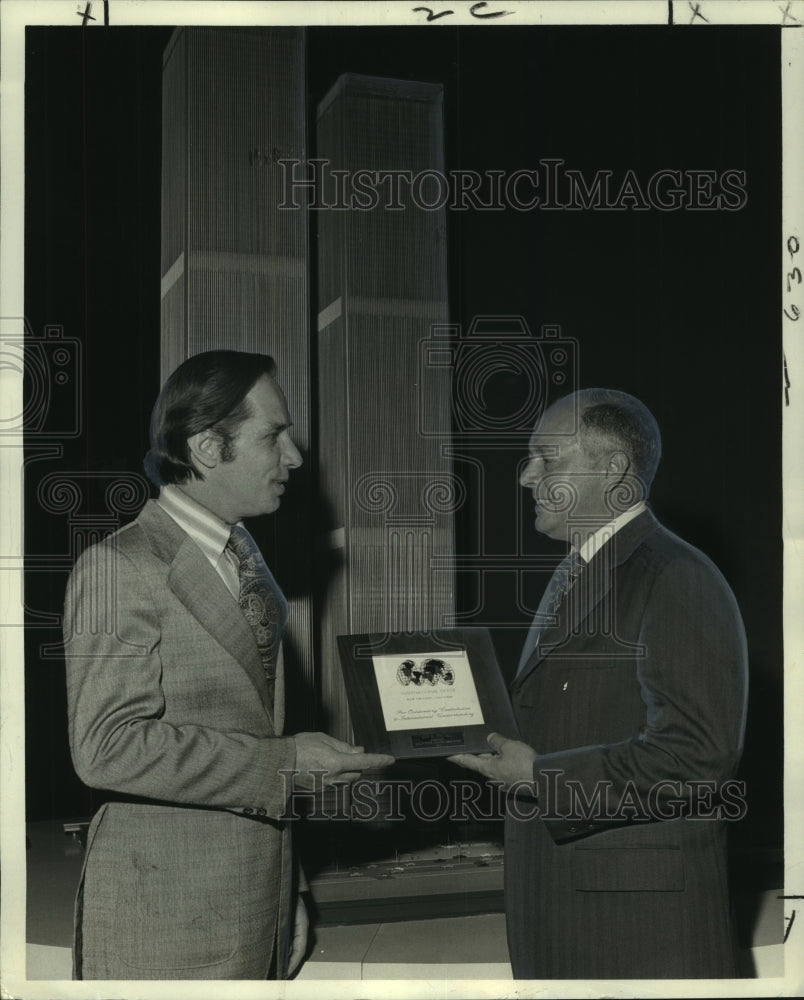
[(261, 601), (561, 583)]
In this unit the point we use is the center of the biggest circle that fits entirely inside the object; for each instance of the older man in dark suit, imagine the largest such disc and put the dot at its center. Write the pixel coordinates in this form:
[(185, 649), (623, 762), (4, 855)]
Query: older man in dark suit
[(631, 698), (173, 631)]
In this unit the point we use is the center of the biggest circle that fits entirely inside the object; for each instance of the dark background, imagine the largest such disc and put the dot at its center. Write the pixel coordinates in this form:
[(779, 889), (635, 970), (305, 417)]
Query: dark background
[(681, 308)]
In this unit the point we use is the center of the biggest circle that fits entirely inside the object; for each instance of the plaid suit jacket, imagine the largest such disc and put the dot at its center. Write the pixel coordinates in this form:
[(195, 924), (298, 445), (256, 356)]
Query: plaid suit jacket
[(188, 870)]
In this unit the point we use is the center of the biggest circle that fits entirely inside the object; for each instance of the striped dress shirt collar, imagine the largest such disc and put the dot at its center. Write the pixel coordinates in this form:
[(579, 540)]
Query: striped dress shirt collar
[(207, 530)]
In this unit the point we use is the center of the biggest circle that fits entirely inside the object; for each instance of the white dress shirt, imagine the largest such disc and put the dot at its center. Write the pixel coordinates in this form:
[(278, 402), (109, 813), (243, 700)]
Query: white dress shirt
[(594, 543)]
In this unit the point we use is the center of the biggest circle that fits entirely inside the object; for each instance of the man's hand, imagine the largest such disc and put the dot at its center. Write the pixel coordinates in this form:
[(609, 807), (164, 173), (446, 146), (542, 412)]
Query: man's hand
[(298, 947), (338, 760), (511, 763)]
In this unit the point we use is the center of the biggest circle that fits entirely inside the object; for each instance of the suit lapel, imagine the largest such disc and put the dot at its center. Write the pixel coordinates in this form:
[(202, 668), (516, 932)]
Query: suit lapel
[(593, 585), (199, 588)]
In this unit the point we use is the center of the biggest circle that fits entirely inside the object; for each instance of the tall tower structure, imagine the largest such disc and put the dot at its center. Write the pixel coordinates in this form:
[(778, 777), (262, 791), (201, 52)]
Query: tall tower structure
[(234, 265), (382, 296)]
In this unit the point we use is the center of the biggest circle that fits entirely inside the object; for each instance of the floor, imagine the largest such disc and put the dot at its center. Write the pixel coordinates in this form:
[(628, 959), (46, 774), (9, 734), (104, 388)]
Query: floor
[(448, 948)]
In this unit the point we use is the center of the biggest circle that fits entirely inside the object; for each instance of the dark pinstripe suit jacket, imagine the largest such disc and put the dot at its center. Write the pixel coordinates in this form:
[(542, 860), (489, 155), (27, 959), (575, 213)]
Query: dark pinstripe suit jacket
[(639, 690)]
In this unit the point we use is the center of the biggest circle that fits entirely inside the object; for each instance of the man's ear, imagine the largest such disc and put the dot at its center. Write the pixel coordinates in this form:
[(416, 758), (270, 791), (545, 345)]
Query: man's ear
[(618, 465), (205, 450)]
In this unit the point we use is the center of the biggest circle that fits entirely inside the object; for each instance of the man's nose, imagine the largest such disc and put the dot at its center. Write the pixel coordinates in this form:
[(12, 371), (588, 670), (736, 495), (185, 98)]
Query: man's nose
[(291, 456), (530, 474)]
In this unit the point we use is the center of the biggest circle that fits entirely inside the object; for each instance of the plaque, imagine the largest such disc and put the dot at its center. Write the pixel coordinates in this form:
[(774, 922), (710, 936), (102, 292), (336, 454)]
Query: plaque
[(426, 694)]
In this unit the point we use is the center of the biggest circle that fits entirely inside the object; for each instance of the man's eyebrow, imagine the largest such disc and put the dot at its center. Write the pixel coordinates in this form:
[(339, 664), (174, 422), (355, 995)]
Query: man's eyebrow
[(273, 428), (544, 450)]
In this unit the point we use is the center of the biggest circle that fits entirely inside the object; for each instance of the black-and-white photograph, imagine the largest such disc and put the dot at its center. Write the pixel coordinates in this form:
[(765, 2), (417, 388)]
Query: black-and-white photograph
[(428, 672), (325, 320)]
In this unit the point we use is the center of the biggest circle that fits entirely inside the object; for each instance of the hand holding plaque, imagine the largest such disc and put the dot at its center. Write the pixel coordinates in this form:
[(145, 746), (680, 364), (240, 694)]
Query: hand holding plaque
[(319, 753), (510, 762)]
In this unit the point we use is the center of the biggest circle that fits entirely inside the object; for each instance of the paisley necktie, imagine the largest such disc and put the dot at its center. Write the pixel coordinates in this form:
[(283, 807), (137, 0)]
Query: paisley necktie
[(261, 601)]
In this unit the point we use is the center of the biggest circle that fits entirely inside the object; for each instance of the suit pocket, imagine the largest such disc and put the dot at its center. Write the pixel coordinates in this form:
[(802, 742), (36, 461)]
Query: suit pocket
[(174, 885), (628, 869)]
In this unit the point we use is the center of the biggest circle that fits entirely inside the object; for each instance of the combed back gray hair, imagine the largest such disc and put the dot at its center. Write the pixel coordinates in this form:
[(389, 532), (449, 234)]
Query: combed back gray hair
[(623, 422)]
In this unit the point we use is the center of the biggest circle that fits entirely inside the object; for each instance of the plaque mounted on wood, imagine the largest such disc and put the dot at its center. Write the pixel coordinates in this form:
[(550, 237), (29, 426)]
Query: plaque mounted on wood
[(425, 694)]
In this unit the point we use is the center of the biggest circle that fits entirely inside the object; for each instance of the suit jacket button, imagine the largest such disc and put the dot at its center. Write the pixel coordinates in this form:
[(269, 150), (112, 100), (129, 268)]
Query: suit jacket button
[(248, 810), (262, 812)]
